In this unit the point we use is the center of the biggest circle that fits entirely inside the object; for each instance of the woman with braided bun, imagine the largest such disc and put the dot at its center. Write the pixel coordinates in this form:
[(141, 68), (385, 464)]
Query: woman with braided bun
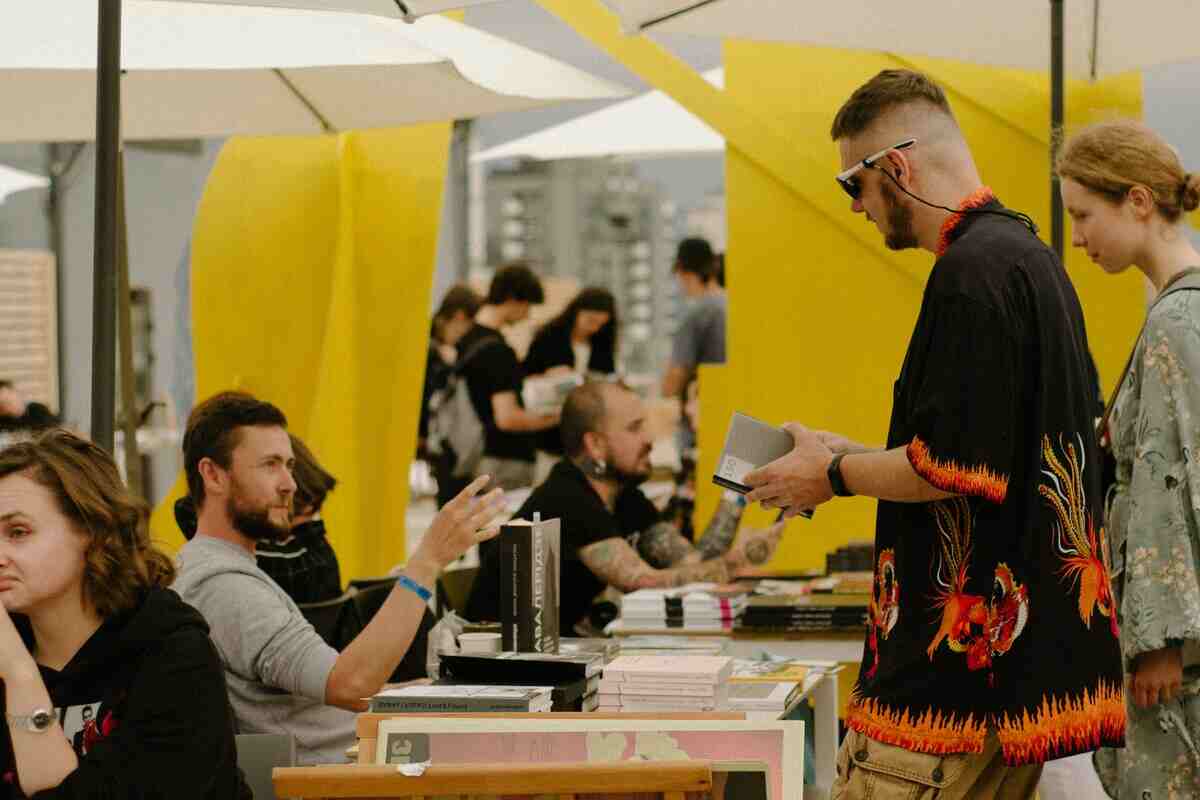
[(1127, 195)]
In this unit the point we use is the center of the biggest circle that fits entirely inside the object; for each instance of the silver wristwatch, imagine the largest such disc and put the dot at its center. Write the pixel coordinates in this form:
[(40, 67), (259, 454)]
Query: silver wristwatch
[(37, 721)]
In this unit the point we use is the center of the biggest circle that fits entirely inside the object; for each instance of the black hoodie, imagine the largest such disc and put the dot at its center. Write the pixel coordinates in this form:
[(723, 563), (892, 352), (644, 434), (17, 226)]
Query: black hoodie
[(144, 704)]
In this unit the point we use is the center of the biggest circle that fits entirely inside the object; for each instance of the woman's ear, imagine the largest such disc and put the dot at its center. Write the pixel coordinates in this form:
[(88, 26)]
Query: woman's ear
[(1140, 201)]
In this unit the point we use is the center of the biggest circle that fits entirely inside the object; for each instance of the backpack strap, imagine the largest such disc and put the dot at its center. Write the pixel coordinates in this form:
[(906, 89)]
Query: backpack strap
[(474, 352), (1185, 280)]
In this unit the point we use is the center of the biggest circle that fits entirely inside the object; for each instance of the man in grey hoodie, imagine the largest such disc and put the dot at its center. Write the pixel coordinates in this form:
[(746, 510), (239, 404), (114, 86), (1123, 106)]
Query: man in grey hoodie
[(283, 678)]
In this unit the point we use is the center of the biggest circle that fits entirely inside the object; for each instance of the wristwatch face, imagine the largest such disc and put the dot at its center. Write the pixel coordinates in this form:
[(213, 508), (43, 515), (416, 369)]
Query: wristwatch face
[(40, 720)]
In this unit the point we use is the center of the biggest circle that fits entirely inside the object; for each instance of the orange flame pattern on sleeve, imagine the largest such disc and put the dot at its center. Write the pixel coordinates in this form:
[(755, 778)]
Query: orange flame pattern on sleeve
[(928, 732), (1084, 553), (1063, 726), (951, 477)]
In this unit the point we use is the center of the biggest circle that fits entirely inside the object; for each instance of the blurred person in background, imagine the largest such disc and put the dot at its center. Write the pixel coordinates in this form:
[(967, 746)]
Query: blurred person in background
[(494, 380), (701, 337), (451, 321), (18, 415), (582, 340)]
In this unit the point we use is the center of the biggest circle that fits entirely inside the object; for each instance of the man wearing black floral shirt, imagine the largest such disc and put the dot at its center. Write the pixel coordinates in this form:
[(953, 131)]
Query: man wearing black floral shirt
[(992, 644)]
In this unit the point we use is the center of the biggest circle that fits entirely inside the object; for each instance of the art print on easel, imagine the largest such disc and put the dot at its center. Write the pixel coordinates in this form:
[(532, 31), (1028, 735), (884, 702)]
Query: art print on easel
[(758, 759)]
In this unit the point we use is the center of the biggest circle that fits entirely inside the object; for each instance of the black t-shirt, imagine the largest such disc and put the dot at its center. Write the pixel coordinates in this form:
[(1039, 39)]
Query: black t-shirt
[(567, 495), (490, 371), (992, 610)]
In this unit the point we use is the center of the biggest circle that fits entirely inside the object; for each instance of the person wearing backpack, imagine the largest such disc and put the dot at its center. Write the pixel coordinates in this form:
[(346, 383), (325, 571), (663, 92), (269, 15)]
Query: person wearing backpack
[(453, 318), (491, 372)]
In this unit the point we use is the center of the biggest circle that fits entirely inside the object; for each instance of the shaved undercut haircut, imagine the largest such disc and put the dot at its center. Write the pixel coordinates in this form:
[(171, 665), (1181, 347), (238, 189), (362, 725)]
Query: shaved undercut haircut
[(886, 92)]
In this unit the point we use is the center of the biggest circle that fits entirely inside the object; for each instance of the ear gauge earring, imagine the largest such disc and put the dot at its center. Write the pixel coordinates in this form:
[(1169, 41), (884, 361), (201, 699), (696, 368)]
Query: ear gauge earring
[(595, 468)]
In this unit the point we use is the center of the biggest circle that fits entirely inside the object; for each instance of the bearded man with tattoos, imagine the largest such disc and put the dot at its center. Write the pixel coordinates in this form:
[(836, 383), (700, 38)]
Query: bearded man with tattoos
[(612, 535)]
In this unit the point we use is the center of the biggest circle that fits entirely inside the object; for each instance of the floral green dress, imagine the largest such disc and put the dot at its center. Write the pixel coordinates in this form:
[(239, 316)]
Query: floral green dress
[(1153, 525)]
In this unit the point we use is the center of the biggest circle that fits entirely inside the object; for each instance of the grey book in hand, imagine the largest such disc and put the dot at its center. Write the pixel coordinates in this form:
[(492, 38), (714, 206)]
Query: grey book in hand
[(750, 444)]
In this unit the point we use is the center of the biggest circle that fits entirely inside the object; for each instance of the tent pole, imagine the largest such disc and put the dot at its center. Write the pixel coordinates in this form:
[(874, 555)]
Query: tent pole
[(104, 281), (1057, 86)]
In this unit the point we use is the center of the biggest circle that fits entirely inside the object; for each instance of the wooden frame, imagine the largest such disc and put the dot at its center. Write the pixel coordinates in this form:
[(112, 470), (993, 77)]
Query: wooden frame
[(673, 779), (367, 729), (728, 745)]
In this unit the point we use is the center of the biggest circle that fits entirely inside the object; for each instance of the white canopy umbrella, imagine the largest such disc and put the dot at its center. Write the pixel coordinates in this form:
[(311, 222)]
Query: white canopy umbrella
[(1099, 38), (1076, 37), (188, 70), (197, 70), (408, 10), (15, 180), (651, 125)]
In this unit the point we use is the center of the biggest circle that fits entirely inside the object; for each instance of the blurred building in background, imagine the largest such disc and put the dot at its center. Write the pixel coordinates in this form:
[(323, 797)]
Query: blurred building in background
[(594, 221)]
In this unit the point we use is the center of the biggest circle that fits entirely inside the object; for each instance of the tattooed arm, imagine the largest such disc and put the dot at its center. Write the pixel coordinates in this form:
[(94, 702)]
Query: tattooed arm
[(662, 546), (616, 563), (755, 548), (722, 528)]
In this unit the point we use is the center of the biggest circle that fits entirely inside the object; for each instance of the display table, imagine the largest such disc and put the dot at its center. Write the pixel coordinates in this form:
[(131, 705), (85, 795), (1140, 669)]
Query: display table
[(841, 649)]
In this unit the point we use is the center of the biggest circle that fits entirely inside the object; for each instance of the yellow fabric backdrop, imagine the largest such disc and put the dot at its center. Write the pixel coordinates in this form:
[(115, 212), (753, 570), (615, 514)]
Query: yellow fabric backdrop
[(312, 263), (818, 318)]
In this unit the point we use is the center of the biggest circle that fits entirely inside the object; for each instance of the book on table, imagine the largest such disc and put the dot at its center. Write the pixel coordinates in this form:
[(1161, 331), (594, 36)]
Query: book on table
[(462, 698), (530, 562), (675, 669), (521, 668), (566, 696), (746, 670), (762, 696), (663, 689)]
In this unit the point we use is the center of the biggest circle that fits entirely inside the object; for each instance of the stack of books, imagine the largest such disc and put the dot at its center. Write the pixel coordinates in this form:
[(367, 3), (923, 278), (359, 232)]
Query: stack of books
[(856, 556), (575, 678), (762, 700), (805, 613), (696, 607), (462, 699), (666, 683), (765, 689)]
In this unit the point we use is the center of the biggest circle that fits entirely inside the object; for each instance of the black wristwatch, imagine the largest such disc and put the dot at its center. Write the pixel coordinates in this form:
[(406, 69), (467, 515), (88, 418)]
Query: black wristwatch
[(836, 482)]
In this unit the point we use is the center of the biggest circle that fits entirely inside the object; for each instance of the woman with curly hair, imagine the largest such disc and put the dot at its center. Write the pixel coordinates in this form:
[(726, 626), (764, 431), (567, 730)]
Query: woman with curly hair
[(111, 686), (1127, 195)]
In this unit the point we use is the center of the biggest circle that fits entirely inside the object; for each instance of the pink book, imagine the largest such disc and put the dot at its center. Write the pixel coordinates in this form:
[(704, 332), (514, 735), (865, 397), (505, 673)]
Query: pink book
[(671, 669)]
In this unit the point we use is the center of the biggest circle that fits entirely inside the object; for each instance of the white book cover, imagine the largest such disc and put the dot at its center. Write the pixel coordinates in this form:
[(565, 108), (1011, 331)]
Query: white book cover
[(664, 689), (668, 705), (761, 696), (678, 669), (534, 694)]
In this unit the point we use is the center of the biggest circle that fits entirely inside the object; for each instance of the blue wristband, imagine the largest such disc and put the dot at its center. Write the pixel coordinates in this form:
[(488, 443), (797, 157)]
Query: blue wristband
[(414, 587)]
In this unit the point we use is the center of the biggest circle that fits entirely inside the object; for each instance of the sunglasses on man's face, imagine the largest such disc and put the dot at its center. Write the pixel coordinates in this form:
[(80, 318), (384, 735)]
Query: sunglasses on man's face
[(850, 183)]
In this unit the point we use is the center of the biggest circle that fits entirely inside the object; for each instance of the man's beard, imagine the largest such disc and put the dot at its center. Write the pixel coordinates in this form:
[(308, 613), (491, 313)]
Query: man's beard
[(900, 234), (631, 477), (255, 523)]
